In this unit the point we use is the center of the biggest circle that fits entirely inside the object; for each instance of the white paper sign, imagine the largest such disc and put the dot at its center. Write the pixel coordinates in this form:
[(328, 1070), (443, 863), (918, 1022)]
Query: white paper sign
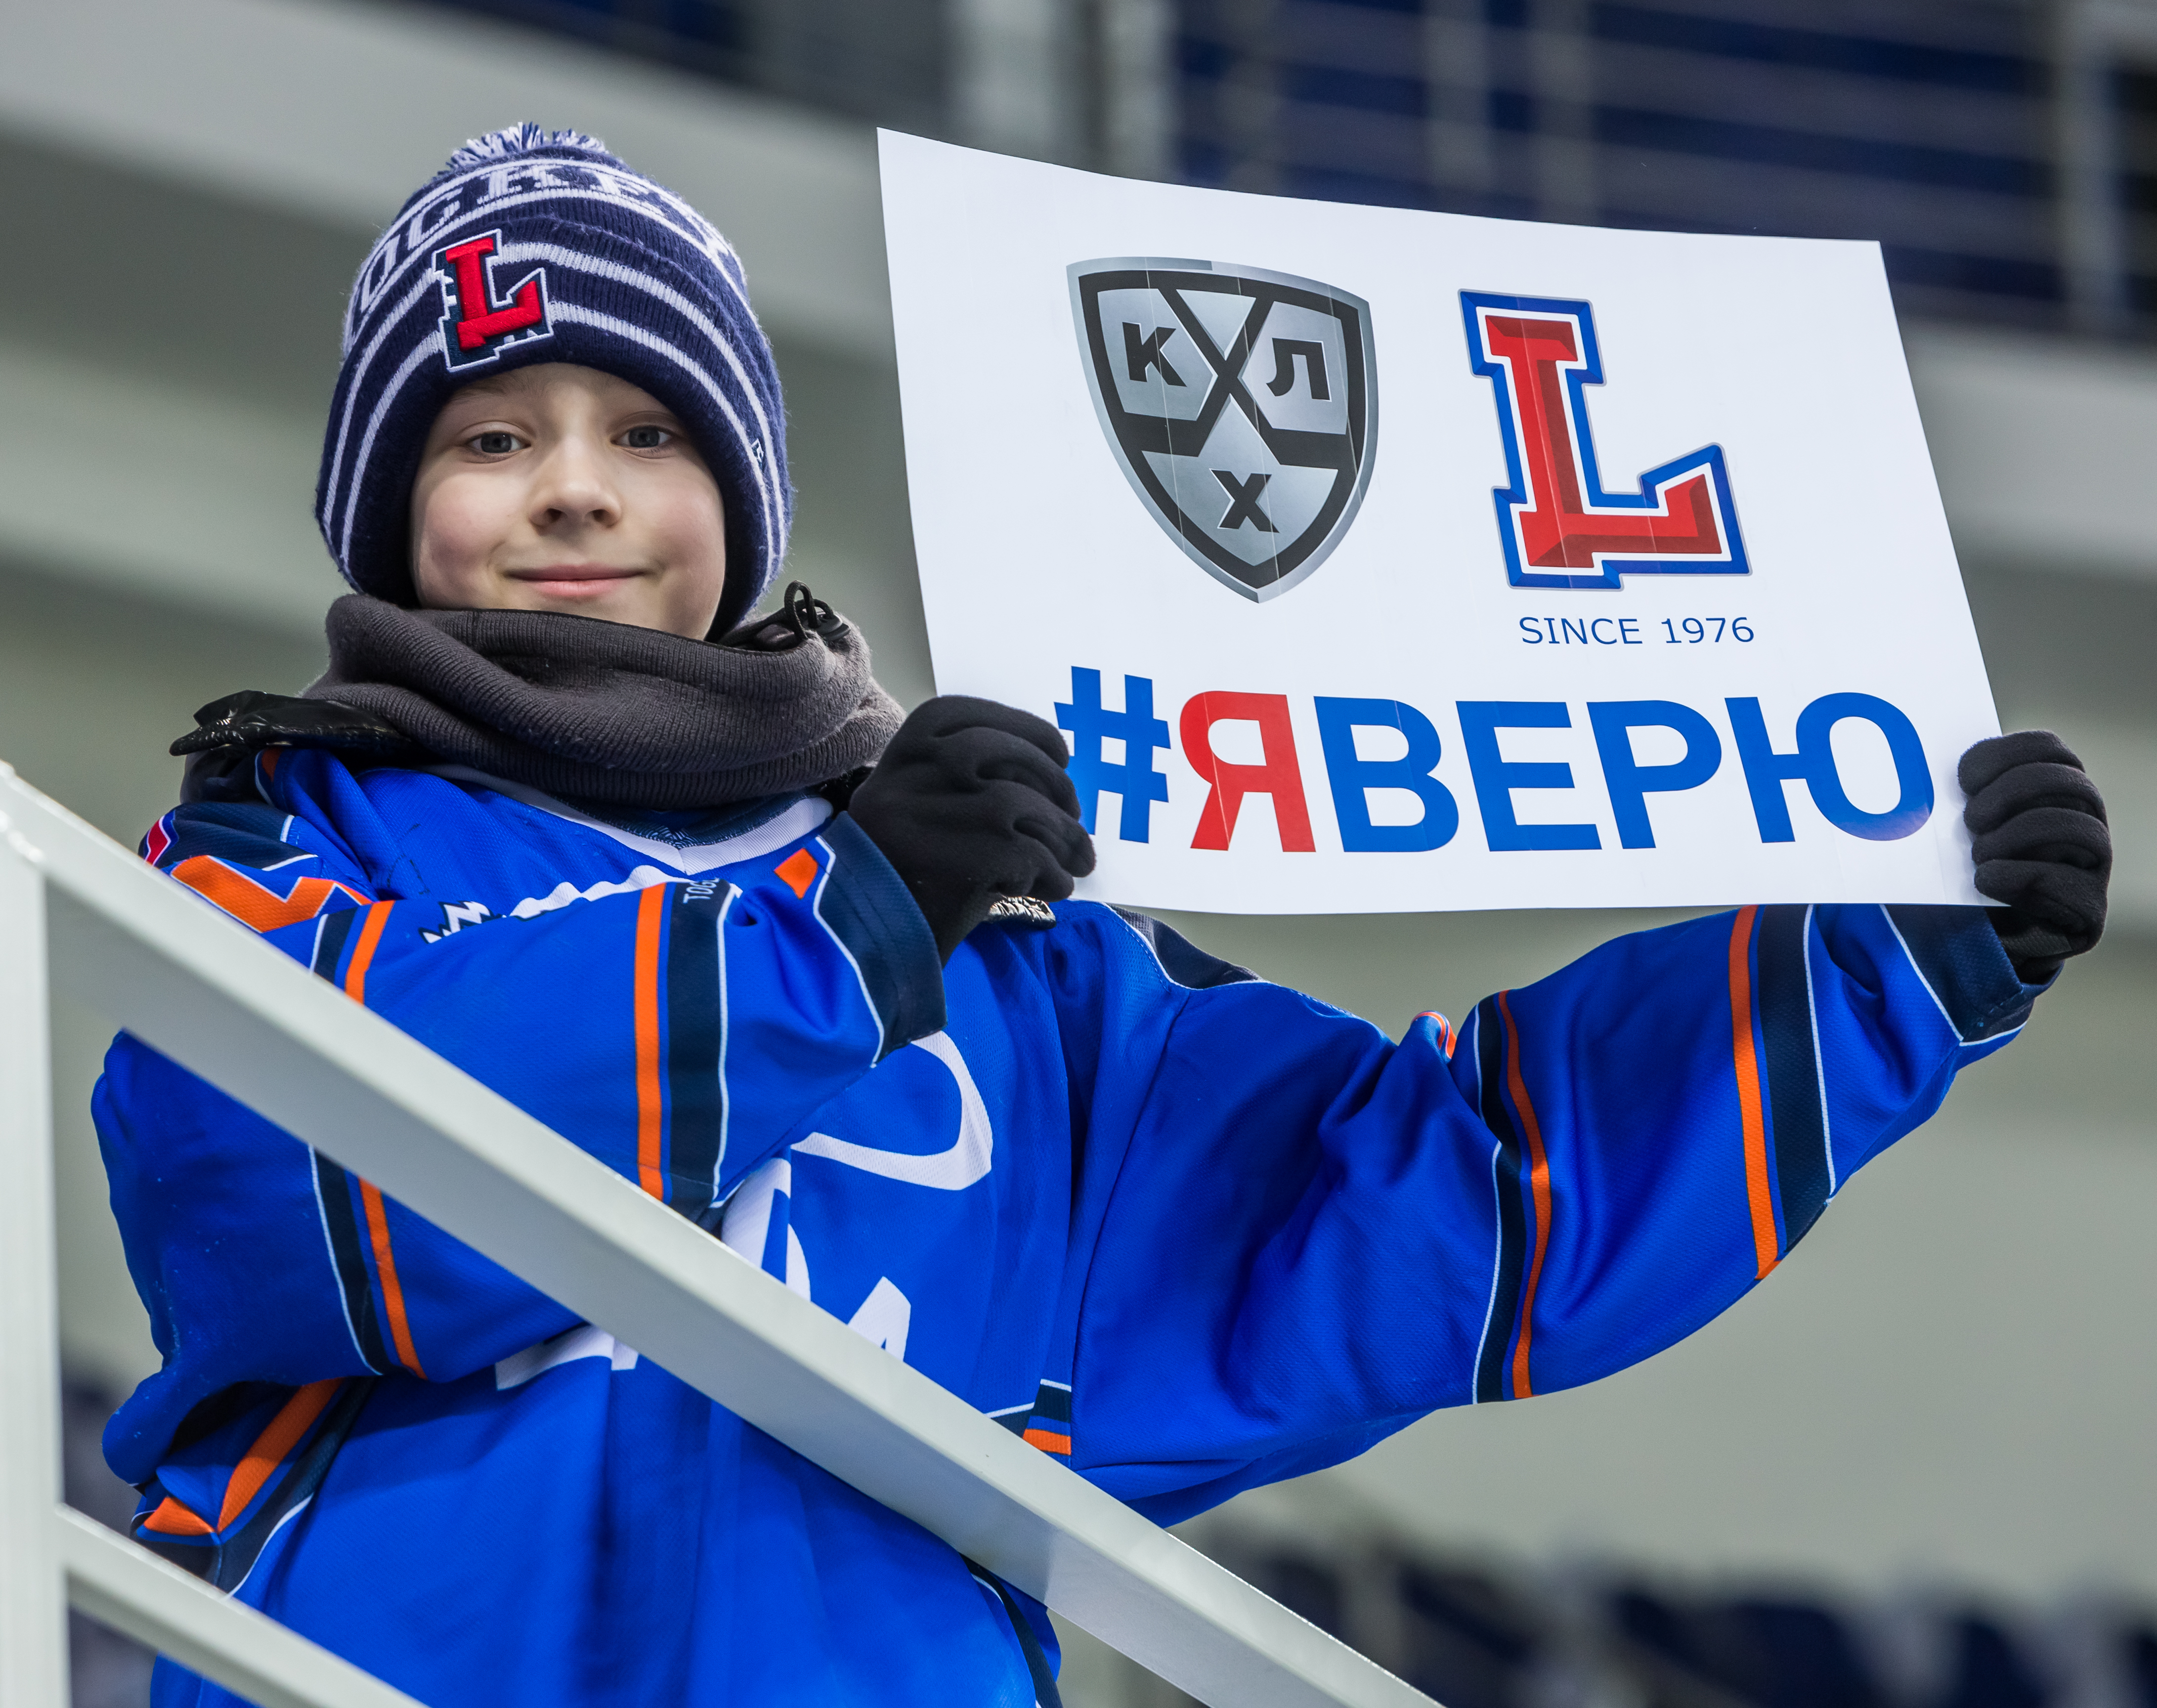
[(1378, 561)]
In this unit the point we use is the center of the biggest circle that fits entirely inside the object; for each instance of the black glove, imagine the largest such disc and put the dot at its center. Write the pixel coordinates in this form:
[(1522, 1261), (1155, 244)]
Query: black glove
[(969, 804), (220, 750), (2041, 844), (251, 719)]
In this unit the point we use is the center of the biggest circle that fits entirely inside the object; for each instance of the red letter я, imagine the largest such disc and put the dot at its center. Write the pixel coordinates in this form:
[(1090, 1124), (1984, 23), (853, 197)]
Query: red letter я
[(1557, 529), (478, 321), (1279, 776)]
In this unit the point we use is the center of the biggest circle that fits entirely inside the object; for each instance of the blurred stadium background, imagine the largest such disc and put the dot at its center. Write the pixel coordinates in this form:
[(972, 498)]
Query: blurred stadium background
[(1920, 1468)]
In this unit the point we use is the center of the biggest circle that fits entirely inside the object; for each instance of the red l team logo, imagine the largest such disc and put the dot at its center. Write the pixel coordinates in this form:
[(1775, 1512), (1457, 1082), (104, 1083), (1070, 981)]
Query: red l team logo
[(480, 322), (1558, 526)]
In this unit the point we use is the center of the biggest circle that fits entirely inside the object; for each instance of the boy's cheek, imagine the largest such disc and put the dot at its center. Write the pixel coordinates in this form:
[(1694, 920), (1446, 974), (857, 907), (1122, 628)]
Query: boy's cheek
[(678, 504), (456, 528), (684, 528)]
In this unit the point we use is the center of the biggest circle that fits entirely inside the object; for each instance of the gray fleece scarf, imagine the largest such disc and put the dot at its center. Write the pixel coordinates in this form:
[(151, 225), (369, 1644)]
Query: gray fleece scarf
[(605, 712)]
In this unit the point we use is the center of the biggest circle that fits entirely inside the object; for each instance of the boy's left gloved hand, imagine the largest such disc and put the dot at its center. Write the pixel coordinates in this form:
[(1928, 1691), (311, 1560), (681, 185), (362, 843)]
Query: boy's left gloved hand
[(969, 804), (2041, 844)]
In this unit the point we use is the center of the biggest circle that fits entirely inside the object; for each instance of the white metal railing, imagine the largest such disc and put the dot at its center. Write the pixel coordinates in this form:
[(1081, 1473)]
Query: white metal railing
[(79, 909)]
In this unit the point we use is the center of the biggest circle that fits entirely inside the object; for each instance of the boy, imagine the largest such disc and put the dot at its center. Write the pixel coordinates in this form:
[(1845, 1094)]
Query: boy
[(709, 909)]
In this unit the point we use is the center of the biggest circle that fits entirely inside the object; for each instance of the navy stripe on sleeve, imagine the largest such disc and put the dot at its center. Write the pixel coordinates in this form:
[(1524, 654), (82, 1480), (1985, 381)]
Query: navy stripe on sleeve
[(1959, 954), (348, 1250), (333, 1186), (1513, 1213), (1052, 1408), (1790, 1055), (696, 1046), (250, 834), (331, 940), (867, 906), (301, 1477), (1185, 963)]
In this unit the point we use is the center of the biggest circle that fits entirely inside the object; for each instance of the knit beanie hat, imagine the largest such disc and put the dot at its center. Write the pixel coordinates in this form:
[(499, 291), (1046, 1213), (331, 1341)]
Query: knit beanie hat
[(533, 246)]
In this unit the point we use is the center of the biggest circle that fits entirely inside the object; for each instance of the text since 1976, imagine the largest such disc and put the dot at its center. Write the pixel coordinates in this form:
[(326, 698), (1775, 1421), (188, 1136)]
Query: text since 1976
[(1633, 631)]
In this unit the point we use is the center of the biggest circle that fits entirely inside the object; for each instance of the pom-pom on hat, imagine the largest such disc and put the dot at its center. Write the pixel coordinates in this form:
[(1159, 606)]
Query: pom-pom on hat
[(529, 246)]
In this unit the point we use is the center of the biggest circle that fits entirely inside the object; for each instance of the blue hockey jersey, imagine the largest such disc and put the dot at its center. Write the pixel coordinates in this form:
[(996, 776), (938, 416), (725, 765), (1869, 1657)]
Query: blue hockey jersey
[(1184, 1229)]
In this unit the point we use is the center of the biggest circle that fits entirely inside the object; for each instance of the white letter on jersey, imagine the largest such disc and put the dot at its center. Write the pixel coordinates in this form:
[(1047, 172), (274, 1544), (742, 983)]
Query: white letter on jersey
[(949, 1170), (885, 1316), (747, 1222)]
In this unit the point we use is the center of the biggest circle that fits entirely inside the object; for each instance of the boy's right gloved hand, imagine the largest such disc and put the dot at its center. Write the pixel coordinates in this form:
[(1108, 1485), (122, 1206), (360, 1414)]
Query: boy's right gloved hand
[(970, 803)]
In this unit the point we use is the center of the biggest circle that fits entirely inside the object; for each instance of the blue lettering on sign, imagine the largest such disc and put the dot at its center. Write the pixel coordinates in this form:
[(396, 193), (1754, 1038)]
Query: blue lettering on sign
[(1135, 781), (1351, 777), (1766, 771), (1629, 781), (1497, 777), (1139, 783)]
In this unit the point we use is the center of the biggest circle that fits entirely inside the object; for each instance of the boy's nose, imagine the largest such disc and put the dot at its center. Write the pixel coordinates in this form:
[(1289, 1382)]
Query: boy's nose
[(572, 488)]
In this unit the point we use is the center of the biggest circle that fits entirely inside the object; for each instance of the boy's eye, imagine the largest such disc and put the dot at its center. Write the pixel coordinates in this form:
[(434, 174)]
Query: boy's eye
[(495, 443), (646, 437)]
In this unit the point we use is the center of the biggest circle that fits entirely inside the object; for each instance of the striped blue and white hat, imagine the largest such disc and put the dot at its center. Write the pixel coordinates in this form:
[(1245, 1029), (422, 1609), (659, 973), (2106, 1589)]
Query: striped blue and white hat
[(530, 246)]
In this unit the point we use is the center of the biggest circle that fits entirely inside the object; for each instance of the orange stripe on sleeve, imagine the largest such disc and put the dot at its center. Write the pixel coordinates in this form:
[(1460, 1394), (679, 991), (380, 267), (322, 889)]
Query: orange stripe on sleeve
[(171, 1519), (362, 952), (1447, 1039), (272, 1444), (385, 1265), (257, 906), (1750, 1117), (1539, 1185), (378, 1215), (1048, 1441), (651, 912)]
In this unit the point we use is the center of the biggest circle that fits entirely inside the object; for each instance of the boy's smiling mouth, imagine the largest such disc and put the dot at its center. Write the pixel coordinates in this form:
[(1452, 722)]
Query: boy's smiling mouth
[(574, 580)]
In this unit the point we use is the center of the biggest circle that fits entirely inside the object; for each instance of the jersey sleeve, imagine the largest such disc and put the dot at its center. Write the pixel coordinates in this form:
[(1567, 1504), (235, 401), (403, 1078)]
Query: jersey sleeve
[(675, 1031), (1315, 1236)]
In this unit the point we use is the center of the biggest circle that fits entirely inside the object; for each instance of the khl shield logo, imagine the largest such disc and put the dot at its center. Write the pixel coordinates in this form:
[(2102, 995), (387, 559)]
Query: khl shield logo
[(1242, 406)]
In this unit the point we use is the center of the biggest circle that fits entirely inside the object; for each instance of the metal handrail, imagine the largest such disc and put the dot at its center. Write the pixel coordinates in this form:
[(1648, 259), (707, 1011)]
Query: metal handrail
[(206, 992)]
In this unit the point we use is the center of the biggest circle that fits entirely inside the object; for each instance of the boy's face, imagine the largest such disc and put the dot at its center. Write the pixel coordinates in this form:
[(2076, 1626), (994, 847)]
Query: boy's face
[(559, 488)]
